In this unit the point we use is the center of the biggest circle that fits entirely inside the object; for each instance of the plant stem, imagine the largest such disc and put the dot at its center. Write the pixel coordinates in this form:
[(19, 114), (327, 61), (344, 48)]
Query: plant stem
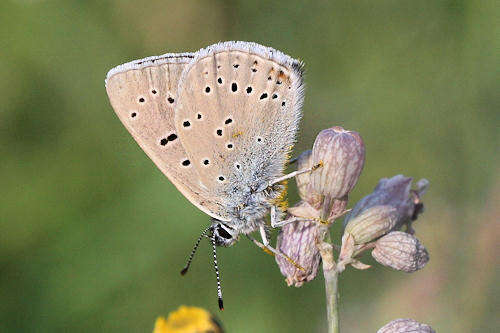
[(330, 274), (331, 285)]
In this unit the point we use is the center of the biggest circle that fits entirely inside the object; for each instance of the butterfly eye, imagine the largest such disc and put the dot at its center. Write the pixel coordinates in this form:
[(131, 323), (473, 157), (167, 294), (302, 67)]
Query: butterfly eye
[(141, 100), (223, 233), (259, 139), (170, 100), (219, 132), (234, 87), (221, 178), (133, 114), (207, 90), (275, 96), (206, 161), (186, 163), (219, 80), (154, 92)]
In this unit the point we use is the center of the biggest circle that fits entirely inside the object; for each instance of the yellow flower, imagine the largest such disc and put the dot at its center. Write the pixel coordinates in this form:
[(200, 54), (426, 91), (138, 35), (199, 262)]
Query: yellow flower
[(187, 319)]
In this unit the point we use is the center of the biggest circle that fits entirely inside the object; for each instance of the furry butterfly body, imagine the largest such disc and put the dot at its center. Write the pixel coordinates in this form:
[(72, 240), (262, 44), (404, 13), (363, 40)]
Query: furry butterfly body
[(219, 123)]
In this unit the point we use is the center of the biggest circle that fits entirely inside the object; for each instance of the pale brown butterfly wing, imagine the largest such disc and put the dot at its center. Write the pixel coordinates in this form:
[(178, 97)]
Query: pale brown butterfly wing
[(143, 94), (237, 116)]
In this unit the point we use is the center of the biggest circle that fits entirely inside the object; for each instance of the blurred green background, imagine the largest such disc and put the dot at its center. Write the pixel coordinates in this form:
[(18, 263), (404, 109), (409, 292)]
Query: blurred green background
[(92, 235)]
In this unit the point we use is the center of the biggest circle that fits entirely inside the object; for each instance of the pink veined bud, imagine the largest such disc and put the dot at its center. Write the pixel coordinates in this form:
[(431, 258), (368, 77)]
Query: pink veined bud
[(337, 208), (406, 326), (298, 241), (395, 192), (400, 251), (304, 180), (371, 223), (341, 156)]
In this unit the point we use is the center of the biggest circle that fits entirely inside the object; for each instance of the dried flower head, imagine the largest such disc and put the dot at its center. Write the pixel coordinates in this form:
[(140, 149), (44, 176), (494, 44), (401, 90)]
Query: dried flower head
[(298, 241), (406, 326), (400, 251), (341, 155), (371, 223), (187, 319), (395, 192)]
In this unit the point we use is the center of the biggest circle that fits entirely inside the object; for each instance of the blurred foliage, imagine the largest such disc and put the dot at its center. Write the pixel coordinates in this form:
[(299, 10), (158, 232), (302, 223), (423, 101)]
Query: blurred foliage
[(92, 235)]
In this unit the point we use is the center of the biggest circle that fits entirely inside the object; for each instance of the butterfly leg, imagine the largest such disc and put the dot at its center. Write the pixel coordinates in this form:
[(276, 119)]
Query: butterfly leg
[(291, 220), (295, 173), (275, 219), (263, 236), (270, 250), (276, 222)]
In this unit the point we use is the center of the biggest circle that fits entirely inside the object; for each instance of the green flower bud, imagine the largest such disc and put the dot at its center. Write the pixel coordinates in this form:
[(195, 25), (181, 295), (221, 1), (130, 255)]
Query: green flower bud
[(395, 192), (371, 223)]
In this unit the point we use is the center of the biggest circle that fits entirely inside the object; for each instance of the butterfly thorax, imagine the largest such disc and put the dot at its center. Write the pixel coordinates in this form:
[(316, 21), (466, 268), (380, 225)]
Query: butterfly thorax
[(250, 213), (247, 216)]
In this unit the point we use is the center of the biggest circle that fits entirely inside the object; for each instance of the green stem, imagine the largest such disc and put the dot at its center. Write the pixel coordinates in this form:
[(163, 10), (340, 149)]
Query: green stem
[(331, 276), (332, 300)]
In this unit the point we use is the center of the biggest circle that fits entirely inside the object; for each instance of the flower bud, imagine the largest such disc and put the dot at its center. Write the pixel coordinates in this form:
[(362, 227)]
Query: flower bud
[(422, 186), (396, 193), (298, 241), (371, 223), (337, 208), (341, 155), (400, 251), (304, 180), (334, 207), (406, 326)]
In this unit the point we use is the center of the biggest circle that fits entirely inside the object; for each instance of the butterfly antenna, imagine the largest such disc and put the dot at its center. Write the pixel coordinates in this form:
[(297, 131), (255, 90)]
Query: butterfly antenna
[(191, 256), (219, 289)]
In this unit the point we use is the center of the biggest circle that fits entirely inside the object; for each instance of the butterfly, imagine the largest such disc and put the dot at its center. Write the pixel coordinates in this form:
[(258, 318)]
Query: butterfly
[(220, 123)]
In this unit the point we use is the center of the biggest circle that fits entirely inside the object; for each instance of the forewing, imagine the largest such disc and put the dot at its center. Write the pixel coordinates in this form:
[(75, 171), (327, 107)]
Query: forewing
[(237, 116), (143, 94)]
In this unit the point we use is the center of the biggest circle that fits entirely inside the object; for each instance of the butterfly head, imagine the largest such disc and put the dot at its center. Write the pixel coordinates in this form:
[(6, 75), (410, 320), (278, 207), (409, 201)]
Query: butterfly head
[(223, 234)]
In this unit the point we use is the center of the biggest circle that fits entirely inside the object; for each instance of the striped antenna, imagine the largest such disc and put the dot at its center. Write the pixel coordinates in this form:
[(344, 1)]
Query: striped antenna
[(219, 289), (191, 256)]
